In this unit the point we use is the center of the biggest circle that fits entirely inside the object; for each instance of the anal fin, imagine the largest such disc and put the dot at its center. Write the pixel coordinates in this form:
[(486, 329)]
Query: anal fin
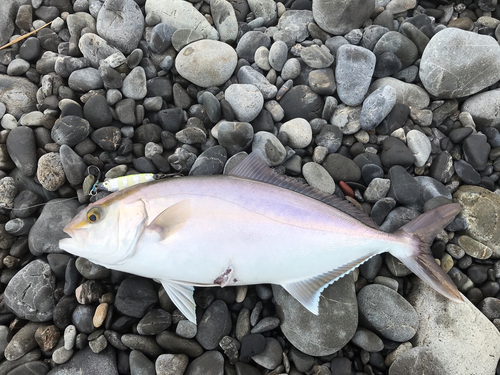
[(182, 297), (308, 291)]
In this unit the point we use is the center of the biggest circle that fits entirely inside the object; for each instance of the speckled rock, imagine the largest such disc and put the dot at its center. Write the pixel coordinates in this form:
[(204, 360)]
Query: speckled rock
[(481, 209), (18, 94), (50, 171)]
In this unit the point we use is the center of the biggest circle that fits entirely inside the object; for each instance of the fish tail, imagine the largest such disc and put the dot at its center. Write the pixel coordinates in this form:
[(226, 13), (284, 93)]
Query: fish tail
[(421, 232)]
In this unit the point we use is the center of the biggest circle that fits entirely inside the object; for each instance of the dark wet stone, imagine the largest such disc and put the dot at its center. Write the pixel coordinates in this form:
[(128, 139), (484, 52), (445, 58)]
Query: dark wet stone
[(342, 168), (63, 311), (82, 318), (210, 363), (395, 152), (466, 172), (175, 344), (161, 37), (330, 137), (90, 270), (476, 150), (209, 162), (108, 138), (249, 43), (22, 149), (135, 296), (404, 189), (301, 102), (394, 120), (97, 112), (73, 165), (252, 344), (442, 168), (215, 324), (234, 136), (154, 322), (70, 130), (171, 119), (45, 234), (145, 344)]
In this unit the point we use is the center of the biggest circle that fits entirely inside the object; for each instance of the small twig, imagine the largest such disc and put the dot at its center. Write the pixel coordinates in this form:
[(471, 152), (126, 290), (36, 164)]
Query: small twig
[(24, 36)]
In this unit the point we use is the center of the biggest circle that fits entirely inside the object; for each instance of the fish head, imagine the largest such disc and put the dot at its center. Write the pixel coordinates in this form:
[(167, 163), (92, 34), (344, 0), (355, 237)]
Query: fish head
[(106, 232)]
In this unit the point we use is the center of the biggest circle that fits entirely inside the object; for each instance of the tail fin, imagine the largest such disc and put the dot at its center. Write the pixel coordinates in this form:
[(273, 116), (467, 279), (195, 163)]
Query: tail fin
[(422, 232)]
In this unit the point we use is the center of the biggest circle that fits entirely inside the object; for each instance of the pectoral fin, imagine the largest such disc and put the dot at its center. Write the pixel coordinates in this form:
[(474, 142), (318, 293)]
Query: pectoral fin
[(182, 297), (171, 219), (308, 291)]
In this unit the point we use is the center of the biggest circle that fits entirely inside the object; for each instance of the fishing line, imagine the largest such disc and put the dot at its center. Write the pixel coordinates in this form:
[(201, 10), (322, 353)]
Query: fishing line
[(42, 204)]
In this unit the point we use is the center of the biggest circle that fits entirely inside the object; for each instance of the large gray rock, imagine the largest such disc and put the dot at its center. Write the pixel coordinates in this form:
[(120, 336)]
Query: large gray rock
[(30, 292), (121, 23), (181, 15), (327, 332), (458, 63), (7, 17), (484, 108), (95, 48), (206, 62), (338, 17), (444, 328), (18, 94), (44, 236), (481, 209), (86, 362), (406, 93), (353, 73)]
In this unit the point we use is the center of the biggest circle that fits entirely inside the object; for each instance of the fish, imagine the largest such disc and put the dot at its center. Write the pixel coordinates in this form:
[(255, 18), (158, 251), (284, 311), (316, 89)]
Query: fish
[(251, 226)]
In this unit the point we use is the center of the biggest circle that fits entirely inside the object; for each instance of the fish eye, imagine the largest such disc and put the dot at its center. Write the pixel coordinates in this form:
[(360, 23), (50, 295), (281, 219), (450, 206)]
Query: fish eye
[(93, 215)]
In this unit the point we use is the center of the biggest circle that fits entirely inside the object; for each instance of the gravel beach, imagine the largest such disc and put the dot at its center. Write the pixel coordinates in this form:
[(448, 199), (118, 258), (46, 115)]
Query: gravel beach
[(391, 104)]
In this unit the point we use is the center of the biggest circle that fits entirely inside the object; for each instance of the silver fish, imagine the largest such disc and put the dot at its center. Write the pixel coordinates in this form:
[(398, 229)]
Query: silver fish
[(250, 227)]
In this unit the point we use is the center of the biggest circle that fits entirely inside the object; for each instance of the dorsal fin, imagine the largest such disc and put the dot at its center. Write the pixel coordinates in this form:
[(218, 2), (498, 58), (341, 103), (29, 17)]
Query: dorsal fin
[(255, 168)]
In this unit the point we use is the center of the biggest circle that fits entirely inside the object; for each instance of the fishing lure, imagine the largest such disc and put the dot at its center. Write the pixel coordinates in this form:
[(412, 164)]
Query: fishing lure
[(119, 183)]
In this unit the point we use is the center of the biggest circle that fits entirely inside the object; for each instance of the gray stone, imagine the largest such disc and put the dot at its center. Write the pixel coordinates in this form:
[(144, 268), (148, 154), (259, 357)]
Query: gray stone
[(7, 17), (445, 76), (445, 341), (265, 9), (134, 84), (78, 21), (291, 69), (339, 16), (480, 208), (419, 145), (161, 37), (376, 107), (367, 340), (85, 79), (225, 20), (248, 75), (209, 363), (322, 81), (182, 37), (44, 236), (406, 93), (417, 361), (377, 189), (299, 132), (22, 149), (214, 325), (347, 119), (404, 49), (272, 355), (206, 62), (181, 15), (278, 55), (18, 95), (123, 31), (234, 136), (318, 177), (29, 293), (317, 57), (209, 162), (484, 108), (388, 313), (171, 364), (294, 24), (271, 147), (327, 332), (95, 48), (353, 73), (86, 362), (73, 165), (246, 100), (250, 42), (18, 67)]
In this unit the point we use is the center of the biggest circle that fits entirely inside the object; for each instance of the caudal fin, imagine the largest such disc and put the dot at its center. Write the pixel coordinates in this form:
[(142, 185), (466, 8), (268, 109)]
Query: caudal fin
[(422, 232)]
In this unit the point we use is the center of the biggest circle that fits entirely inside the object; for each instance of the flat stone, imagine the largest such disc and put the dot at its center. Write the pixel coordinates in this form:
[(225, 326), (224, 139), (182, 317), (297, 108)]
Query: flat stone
[(22, 149), (181, 15), (18, 95), (310, 333), (339, 17), (406, 93), (353, 73), (96, 49), (483, 108), (385, 311), (445, 76), (446, 341), (30, 292), (480, 208), (206, 62)]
